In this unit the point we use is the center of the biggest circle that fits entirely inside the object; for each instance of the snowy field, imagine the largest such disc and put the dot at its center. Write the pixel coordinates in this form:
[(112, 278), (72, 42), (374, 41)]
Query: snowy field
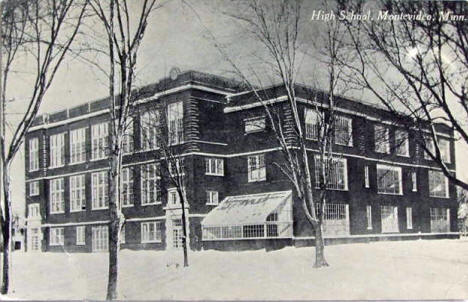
[(385, 270)]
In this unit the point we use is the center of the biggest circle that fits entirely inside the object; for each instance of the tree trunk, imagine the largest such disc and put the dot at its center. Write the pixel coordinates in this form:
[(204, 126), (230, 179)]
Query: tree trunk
[(319, 247), (184, 231), (114, 228), (6, 230)]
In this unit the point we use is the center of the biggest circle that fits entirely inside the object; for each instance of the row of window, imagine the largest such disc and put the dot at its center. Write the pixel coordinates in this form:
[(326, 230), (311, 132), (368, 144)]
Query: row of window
[(343, 134), (150, 124), (151, 232), (439, 218)]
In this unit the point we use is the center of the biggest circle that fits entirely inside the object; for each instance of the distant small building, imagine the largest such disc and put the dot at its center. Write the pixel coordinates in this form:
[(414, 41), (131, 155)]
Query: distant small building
[(237, 197)]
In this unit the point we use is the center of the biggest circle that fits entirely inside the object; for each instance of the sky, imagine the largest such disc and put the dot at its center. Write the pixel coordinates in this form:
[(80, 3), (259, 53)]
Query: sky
[(178, 35)]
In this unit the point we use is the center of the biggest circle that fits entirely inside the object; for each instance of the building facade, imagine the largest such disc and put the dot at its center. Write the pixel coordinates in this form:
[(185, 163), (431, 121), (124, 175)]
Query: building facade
[(382, 185)]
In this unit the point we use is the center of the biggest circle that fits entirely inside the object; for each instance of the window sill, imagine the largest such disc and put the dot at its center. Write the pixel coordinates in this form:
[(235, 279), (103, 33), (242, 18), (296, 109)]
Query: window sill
[(443, 197), (212, 174), (256, 180), (254, 131), (329, 189), (151, 204), (384, 193), (77, 163), (35, 170), (81, 244), (212, 204), (151, 241), (345, 145), (94, 209), (402, 155), (127, 205), (52, 213), (98, 159), (56, 167), (55, 244), (77, 211)]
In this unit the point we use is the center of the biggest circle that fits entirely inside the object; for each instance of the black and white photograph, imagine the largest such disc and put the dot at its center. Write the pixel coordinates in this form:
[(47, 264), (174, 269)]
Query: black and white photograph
[(233, 150)]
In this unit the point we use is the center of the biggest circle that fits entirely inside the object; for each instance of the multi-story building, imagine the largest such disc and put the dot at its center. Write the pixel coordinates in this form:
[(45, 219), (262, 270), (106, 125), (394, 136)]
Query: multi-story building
[(382, 185)]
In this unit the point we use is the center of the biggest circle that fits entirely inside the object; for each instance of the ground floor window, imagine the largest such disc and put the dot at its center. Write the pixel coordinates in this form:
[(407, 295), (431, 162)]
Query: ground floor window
[(335, 219), (56, 236), (440, 220), (177, 233), (100, 238), (409, 218), (80, 235), (151, 231), (389, 218), (369, 217), (34, 239), (122, 235)]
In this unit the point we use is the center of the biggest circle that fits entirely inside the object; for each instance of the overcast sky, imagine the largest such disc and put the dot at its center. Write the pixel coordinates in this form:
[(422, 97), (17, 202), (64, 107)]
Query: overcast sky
[(176, 36)]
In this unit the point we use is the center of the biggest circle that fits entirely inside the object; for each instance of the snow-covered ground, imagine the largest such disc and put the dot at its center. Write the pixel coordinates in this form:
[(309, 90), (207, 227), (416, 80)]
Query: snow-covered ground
[(435, 269)]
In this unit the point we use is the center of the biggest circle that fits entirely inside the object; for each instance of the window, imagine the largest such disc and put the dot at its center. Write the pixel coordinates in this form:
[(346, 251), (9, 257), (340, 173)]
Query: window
[(414, 181), (440, 220), (150, 232), (312, 124), (99, 184), (429, 144), (77, 193), (444, 146), (173, 197), (178, 169), (389, 218), (343, 131), (389, 180), (256, 168), (77, 146), (254, 124), (150, 127), (33, 188), (382, 139), (99, 238), (57, 150), (438, 184), (127, 187), (369, 217), (366, 177), (336, 170), (401, 143), (34, 154), (57, 203), (99, 139), (56, 236), (211, 197), (175, 114), (409, 218), (214, 166), (80, 235), (127, 143), (122, 235), (33, 210), (150, 186)]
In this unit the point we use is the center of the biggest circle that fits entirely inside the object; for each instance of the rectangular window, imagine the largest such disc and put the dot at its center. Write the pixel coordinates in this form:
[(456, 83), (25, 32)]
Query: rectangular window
[(212, 197), (175, 120), (336, 171), (176, 167), (440, 220), (33, 188), (214, 166), (414, 180), (409, 218), (389, 180), (173, 197), (312, 124), (256, 168), (122, 235), (369, 217), (80, 235), (343, 131), (151, 232), (77, 146), (429, 144), (56, 236), (34, 154), (150, 129), (150, 186), (389, 218), (254, 124), (99, 137), (77, 193), (99, 238), (382, 139), (366, 177), (33, 210), (99, 185), (57, 202), (401, 142), (127, 187), (444, 146), (438, 184), (127, 143), (57, 150)]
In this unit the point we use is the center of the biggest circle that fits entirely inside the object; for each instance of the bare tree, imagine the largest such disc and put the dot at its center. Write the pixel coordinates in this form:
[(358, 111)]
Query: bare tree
[(162, 131), (124, 38), (43, 31), (277, 27), (416, 67)]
